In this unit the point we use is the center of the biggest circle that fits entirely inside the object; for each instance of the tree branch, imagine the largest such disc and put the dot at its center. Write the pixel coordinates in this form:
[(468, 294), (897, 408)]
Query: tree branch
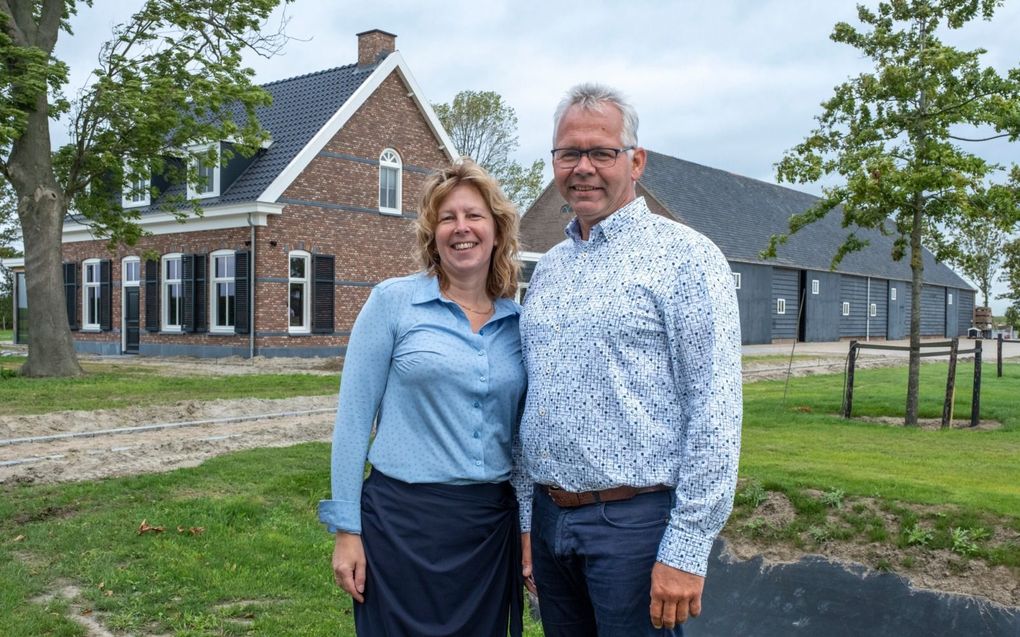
[(984, 139)]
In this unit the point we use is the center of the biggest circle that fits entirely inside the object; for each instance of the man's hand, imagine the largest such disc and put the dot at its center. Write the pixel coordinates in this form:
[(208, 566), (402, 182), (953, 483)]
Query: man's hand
[(349, 565), (676, 595), (529, 577)]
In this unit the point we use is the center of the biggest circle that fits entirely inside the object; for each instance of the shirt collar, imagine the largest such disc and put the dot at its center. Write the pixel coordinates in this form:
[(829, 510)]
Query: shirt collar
[(612, 225), (427, 290)]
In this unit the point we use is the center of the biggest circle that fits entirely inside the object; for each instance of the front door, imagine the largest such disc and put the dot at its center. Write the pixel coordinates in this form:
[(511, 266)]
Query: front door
[(131, 320)]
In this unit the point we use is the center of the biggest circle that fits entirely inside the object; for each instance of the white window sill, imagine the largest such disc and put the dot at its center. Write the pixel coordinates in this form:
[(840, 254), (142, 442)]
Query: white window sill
[(390, 211), (223, 331), (301, 332), (90, 328), (171, 330)]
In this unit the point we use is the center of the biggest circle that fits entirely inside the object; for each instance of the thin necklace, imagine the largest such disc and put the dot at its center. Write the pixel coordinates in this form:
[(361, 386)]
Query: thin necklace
[(492, 306)]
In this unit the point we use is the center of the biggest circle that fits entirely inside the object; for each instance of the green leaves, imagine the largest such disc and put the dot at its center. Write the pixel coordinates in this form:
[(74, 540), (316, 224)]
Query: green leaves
[(888, 133), (484, 128)]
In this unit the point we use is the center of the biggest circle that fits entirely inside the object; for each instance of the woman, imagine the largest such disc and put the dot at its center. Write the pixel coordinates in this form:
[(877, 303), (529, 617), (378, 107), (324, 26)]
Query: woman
[(429, 544)]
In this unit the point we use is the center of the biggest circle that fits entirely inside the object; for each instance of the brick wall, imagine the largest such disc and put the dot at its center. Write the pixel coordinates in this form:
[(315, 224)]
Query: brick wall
[(204, 242)]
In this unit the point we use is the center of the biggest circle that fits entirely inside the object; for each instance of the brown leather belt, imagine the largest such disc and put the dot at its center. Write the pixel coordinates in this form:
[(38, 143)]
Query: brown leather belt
[(569, 499)]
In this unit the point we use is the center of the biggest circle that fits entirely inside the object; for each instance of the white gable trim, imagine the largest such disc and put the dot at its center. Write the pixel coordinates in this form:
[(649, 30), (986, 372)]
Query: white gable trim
[(393, 62), (213, 218)]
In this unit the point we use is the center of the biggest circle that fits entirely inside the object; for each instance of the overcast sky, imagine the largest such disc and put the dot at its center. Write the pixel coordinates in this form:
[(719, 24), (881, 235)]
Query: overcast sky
[(729, 84)]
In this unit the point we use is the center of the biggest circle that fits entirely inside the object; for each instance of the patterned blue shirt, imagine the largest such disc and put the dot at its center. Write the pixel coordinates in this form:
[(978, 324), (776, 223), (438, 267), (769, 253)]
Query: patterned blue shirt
[(632, 345), (447, 401)]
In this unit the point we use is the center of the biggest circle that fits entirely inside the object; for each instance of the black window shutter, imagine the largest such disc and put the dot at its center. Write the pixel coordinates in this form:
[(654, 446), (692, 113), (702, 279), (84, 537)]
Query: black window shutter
[(323, 291), (152, 296), (188, 292), (201, 303), (105, 296), (71, 294), (242, 292)]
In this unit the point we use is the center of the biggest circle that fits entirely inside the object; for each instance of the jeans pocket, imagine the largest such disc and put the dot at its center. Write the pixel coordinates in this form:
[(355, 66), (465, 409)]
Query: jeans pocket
[(640, 512)]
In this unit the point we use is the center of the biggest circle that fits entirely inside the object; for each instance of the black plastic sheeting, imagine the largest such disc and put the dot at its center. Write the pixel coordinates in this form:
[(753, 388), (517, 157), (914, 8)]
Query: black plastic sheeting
[(817, 597)]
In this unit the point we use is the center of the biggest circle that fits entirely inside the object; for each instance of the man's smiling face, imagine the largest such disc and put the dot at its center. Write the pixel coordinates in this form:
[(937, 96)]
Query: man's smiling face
[(595, 193)]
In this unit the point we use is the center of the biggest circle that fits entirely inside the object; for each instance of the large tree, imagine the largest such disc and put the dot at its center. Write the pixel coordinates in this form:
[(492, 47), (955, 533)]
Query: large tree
[(169, 78), (893, 136), (484, 128)]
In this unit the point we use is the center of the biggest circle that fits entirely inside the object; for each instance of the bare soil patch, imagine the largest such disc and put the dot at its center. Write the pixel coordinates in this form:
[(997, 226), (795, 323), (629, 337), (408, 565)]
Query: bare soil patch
[(939, 570)]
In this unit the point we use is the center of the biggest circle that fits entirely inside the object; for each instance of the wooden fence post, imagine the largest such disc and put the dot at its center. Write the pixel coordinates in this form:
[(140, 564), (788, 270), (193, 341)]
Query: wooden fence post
[(975, 403), (998, 358), (848, 398), (947, 406)]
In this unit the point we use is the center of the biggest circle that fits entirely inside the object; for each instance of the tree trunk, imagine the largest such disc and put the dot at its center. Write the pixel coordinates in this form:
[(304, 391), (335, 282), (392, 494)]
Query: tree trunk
[(916, 283), (41, 210)]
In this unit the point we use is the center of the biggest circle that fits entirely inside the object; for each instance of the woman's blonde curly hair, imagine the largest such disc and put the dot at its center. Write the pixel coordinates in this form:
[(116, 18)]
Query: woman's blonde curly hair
[(504, 267)]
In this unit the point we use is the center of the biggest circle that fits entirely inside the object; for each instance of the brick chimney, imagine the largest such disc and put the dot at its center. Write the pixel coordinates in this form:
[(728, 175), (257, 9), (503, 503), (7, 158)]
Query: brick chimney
[(374, 45)]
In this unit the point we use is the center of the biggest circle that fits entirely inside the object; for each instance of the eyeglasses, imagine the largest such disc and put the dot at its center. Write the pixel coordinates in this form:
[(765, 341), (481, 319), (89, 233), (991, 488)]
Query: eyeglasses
[(599, 157)]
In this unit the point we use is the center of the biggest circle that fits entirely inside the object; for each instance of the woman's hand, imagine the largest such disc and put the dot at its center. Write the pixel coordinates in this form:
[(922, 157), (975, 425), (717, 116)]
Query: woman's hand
[(349, 565)]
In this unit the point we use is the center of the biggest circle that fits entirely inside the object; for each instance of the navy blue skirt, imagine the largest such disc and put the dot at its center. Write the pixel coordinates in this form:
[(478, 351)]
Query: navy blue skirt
[(443, 560)]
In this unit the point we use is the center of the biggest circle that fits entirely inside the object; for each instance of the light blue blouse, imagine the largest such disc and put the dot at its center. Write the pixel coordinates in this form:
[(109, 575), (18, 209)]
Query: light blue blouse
[(447, 401)]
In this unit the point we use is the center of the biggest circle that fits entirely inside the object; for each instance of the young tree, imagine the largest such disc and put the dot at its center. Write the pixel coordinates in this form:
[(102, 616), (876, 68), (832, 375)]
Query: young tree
[(1011, 277), (976, 247), (170, 77), (484, 128), (892, 135)]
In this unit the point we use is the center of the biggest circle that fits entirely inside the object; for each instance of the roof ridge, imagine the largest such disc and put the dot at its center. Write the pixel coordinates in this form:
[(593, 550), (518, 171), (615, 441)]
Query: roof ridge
[(311, 74), (733, 174)]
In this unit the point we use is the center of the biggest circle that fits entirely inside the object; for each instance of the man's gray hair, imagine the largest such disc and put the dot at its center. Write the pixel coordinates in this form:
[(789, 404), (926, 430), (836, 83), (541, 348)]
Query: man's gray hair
[(592, 96)]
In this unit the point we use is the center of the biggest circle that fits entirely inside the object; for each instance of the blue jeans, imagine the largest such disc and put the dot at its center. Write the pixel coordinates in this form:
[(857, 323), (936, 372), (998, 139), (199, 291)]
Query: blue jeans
[(593, 565)]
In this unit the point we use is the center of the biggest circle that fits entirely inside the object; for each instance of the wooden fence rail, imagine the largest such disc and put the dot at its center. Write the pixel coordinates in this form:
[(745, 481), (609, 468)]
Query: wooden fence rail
[(953, 352)]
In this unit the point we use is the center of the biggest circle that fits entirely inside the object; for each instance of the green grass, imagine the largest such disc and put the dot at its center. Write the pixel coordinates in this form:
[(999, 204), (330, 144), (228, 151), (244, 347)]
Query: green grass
[(113, 386), (259, 567), (6, 336), (944, 489), (804, 443)]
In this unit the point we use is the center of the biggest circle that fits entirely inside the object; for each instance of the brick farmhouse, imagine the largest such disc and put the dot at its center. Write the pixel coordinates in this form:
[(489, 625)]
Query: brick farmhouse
[(292, 239)]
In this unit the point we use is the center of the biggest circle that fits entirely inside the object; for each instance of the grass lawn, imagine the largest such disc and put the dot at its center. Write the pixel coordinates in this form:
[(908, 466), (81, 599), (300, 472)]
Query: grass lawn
[(260, 564), (6, 336), (111, 386)]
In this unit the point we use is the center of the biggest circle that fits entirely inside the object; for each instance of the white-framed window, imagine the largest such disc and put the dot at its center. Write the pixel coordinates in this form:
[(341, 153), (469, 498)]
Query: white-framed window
[(736, 280), (130, 272), (846, 308), (207, 171), (892, 294), (950, 301), (222, 293), (172, 293), (299, 293), (780, 306), (136, 188), (873, 309), (814, 286), (390, 175), (90, 294)]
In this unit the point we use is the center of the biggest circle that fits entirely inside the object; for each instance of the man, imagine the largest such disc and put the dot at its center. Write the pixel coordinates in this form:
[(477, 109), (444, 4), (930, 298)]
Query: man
[(631, 430)]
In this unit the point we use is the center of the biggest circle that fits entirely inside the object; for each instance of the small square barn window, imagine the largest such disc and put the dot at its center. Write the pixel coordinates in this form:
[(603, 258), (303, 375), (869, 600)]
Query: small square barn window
[(892, 294), (814, 286), (873, 310), (780, 306), (736, 280), (846, 308)]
